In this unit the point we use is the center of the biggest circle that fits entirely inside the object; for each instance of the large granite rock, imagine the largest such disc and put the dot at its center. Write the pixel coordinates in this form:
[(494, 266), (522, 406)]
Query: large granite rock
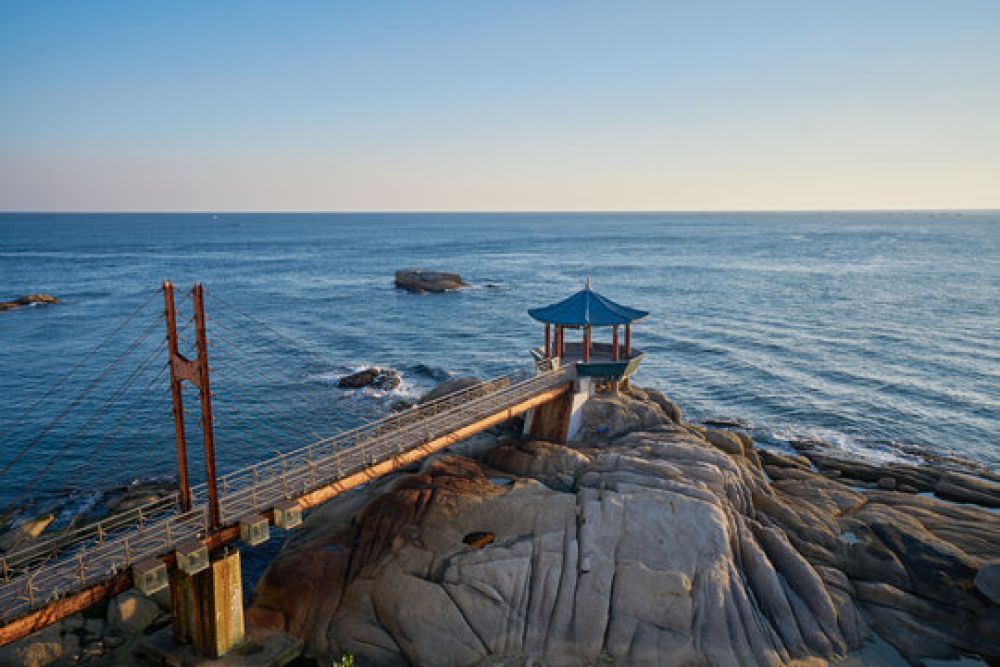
[(28, 300), (419, 281), (652, 542)]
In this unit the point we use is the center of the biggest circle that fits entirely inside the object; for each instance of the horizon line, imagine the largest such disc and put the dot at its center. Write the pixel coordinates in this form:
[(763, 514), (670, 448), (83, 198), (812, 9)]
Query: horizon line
[(985, 209)]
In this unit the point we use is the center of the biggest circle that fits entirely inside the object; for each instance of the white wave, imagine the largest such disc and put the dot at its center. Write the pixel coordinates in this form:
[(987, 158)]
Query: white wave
[(411, 385), (842, 442)]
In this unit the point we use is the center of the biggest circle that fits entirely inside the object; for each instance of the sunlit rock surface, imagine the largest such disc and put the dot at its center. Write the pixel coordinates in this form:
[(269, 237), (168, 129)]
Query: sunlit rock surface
[(653, 542)]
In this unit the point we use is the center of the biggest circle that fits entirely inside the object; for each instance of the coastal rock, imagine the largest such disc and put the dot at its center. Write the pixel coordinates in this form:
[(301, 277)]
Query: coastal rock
[(419, 281), (25, 532), (987, 581), (648, 542), (385, 379), (27, 301), (44, 648), (131, 613)]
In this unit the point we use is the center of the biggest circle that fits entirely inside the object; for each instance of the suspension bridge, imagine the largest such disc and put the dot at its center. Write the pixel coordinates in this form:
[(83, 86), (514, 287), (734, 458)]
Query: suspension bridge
[(171, 539)]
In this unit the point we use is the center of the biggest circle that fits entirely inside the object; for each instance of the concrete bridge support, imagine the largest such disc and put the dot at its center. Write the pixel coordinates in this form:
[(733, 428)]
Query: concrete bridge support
[(560, 419), (208, 605)]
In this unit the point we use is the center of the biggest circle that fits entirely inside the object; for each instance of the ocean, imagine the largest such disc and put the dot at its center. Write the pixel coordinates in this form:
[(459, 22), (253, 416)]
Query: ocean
[(876, 332)]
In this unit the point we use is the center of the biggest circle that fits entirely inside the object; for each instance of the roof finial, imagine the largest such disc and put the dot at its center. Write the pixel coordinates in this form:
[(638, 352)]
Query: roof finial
[(587, 285)]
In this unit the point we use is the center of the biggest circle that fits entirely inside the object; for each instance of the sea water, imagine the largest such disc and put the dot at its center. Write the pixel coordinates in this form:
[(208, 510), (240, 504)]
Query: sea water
[(874, 332)]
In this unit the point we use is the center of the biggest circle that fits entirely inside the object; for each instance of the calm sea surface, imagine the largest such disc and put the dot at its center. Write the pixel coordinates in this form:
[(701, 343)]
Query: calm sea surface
[(877, 332)]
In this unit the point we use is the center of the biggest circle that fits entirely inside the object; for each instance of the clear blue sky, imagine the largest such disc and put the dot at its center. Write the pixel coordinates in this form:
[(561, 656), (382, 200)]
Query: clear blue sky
[(499, 106)]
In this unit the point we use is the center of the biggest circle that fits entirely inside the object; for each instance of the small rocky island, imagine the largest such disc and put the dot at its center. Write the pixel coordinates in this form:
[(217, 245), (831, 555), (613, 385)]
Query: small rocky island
[(650, 540), (28, 300), (419, 281)]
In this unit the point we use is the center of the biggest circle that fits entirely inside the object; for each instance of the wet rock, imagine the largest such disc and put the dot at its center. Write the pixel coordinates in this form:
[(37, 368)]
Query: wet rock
[(25, 532), (784, 460), (93, 628), (39, 650), (888, 483), (27, 301), (419, 281), (385, 379), (987, 581), (968, 489)]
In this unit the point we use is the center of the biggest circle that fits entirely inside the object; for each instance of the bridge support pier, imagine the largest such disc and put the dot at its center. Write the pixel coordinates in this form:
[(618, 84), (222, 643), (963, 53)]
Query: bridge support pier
[(560, 420), (208, 606)]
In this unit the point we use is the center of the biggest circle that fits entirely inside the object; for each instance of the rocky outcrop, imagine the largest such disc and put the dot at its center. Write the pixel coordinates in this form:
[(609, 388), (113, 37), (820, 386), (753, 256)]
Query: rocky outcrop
[(419, 281), (101, 636), (653, 542), (25, 532), (28, 300), (385, 379), (950, 478)]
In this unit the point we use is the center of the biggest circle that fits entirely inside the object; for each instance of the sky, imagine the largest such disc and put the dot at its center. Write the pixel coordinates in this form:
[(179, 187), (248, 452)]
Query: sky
[(535, 105)]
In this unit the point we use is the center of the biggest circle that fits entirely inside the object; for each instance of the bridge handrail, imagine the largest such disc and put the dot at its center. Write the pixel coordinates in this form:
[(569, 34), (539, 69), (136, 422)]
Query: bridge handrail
[(41, 550), (365, 432), (101, 528), (351, 460), (119, 550)]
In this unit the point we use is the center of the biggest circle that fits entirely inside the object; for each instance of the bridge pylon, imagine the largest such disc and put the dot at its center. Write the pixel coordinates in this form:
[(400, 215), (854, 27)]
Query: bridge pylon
[(206, 591)]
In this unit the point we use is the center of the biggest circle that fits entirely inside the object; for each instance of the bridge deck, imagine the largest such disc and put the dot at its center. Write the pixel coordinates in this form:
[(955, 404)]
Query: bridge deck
[(39, 576)]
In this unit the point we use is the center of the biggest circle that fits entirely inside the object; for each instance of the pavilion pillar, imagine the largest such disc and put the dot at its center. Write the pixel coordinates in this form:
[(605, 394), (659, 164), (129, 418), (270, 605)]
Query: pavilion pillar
[(548, 340), (561, 342), (614, 343), (586, 344), (628, 341)]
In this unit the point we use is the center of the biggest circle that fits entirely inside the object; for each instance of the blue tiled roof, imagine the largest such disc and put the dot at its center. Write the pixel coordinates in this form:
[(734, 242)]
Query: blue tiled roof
[(587, 307)]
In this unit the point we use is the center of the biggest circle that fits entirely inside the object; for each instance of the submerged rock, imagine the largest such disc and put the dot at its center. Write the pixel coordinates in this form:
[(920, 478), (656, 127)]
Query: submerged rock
[(25, 532), (28, 300), (385, 379), (419, 281)]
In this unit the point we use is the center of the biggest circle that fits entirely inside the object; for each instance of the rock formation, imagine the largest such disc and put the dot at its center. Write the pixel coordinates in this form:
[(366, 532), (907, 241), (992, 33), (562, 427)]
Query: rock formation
[(652, 542), (419, 281), (385, 379), (27, 301), (101, 636)]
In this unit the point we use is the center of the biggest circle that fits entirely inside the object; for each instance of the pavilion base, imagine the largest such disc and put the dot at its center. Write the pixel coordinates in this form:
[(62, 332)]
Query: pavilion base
[(208, 606), (560, 420)]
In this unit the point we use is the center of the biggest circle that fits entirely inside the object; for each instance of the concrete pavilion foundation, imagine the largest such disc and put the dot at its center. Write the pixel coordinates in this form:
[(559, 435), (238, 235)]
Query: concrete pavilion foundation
[(560, 420)]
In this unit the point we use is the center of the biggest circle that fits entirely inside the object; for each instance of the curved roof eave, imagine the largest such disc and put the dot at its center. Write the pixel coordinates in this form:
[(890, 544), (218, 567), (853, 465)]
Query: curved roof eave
[(587, 307)]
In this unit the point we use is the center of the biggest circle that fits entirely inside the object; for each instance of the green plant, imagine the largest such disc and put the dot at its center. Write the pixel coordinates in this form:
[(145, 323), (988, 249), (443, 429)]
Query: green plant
[(346, 660)]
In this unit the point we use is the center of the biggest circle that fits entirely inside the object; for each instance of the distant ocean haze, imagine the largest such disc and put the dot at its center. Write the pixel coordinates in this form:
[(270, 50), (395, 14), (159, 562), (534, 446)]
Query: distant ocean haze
[(876, 332)]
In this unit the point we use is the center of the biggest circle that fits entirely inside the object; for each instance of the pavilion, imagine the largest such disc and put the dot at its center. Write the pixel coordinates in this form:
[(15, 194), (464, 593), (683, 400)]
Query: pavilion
[(587, 309)]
